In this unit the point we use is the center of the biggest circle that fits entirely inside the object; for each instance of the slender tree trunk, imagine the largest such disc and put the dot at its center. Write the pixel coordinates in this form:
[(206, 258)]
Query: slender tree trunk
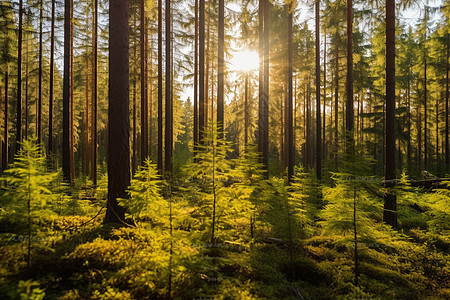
[(72, 165), (119, 122), (318, 118), (201, 73), (261, 74), (5, 124), (66, 93), (94, 96), (336, 102), (160, 91), (408, 97), (19, 81), (349, 116), (265, 144), (390, 201), (324, 152), (27, 64), (51, 90), (290, 117), (144, 104), (246, 120), (196, 77), (425, 112), (169, 104), (447, 146), (134, 155), (221, 69), (86, 117), (39, 116), (207, 59), (149, 86)]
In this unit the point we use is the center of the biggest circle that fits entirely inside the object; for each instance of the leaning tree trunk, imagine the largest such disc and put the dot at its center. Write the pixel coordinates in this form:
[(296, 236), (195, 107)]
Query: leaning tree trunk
[(390, 200), (119, 122), (265, 121)]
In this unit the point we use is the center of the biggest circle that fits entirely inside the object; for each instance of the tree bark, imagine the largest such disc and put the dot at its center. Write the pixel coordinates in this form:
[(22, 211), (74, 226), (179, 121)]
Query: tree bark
[(51, 88), (119, 123), (160, 91), (5, 131), (447, 146), (318, 118), (221, 69), (201, 73), (261, 73), (290, 117), (144, 103), (349, 116), (67, 162), (265, 144), (39, 116), (390, 201), (169, 104), (336, 103), (196, 76), (94, 96), (19, 82)]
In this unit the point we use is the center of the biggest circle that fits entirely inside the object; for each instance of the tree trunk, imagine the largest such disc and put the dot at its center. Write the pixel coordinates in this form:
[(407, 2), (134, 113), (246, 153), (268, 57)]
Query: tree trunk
[(201, 73), (221, 69), (265, 144), (447, 146), (66, 92), (349, 116), (86, 118), (318, 118), (290, 117), (390, 201), (94, 97), (19, 82), (160, 91), (246, 120), (336, 102), (119, 123), (144, 104), (72, 165), (5, 131), (324, 151), (39, 115), (51, 90), (196, 77), (425, 112), (169, 105), (261, 74)]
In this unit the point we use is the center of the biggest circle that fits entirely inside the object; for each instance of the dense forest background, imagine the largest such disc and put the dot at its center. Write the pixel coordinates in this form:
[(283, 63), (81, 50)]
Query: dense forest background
[(321, 172)]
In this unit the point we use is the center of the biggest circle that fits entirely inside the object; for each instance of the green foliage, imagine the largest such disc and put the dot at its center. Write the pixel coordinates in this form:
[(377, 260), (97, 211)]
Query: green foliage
[(145, 200), (26, 187)]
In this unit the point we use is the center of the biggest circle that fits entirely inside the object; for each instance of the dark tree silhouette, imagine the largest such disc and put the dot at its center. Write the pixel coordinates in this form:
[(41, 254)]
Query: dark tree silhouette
[(119, 122)]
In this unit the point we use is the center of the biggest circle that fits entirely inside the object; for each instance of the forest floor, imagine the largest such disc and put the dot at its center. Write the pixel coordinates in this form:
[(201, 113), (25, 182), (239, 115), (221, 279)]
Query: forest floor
[(78, 257)]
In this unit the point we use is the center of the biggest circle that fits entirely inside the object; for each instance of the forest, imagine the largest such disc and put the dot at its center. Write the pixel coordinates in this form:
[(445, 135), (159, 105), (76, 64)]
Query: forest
[(254, 149)]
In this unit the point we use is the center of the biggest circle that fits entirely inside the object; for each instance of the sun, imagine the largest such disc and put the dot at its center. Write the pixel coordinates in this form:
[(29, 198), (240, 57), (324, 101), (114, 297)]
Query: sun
[(245, 60)]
